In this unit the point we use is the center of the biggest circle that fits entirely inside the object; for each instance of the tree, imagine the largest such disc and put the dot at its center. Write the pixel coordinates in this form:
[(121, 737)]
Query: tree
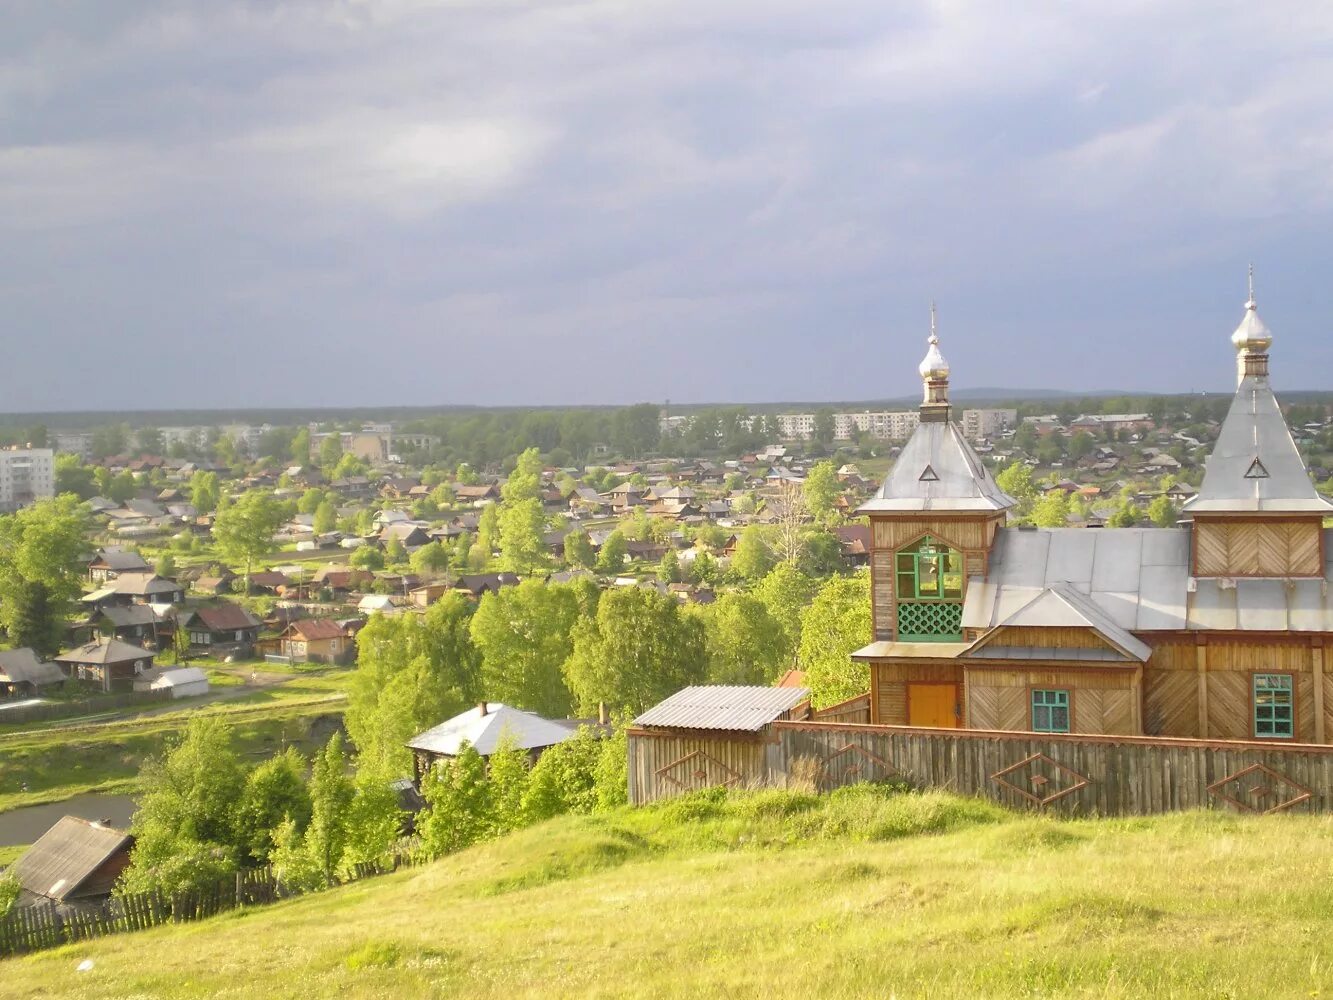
[(244, 529), (488, 530), (366, 557), (821, 489), (836, 624), (1080, 445), (395, 552), (639, 648), (507, 772), (754, 557), (745, 644), (825, 426), (41, 550), (611, 775), (330, 454), (522, 535), (331, 793), (326, 518), (1016, 480), (792, 521), (523, 635), (166, 565), (1126, 516), (430, 560), (1162, 512), (564, 779), (611, 557), (204, 491), (310, 501), (188, 809), (578, 549), (72, 476), (785, 594), (668, 569), (458, 803), (412, 673), (374, 822), (300, 447), (274, 791), (1052, 510)]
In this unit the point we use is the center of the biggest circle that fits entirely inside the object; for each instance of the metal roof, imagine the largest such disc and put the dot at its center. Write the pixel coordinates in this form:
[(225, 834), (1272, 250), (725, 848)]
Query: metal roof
[(484, 730), (1062, 606), (938, 470), (1255, 465), (736, 709), (1139, 578), (67, 855)]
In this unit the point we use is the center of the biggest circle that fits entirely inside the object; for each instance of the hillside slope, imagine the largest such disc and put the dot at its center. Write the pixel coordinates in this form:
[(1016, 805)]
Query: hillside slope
[(778, 894)]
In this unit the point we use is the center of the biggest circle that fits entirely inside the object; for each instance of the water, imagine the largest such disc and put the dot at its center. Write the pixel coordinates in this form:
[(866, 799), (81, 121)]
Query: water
[(23, 826)]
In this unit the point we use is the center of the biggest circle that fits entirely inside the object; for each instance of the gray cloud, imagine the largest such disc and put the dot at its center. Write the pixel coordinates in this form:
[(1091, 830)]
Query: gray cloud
[(388, 200)]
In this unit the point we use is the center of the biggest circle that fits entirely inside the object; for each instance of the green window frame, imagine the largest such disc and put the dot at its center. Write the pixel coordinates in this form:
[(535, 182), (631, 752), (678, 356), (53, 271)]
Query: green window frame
[(1274, 707), (1050, 710), (929, 571)]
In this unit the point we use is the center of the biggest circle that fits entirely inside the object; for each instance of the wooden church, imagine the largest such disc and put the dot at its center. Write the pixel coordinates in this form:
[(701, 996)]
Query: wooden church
[(1215, 629)]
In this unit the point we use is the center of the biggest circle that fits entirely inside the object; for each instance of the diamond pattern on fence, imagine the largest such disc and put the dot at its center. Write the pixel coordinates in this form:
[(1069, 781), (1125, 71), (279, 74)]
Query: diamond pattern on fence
[(1040, 780), (697, 770), (851, 763), (930, 620), (1260, 789)]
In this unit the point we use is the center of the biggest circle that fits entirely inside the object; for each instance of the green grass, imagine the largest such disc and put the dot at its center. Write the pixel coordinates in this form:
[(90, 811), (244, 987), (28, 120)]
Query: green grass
[(8, 855), (778, 894), (58, 762)]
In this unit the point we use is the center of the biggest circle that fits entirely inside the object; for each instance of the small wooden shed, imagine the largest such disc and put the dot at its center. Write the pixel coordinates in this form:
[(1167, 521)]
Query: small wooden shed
[(706, 736)]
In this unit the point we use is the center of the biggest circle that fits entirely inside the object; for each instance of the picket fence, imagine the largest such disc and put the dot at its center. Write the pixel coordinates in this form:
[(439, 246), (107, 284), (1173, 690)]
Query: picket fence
[(33, 928), (83, 706)]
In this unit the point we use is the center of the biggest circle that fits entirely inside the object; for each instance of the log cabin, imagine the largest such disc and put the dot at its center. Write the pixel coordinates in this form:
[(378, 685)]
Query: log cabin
[(1215, 629)]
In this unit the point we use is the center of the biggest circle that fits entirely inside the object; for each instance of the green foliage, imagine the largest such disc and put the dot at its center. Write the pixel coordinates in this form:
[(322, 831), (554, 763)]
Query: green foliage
[(611, 556), (746, 644), (821, 488), (611, 774), (523, 634), (413, 672), (821, 553), (366, 557), (459, 803), (754, 557), (72, 476), (1016, 480), (1052, 510), (395, 552), (274, 791), (9, 893), (430, 560), (638, 649), (507, 773), (668, 568), (1126, 516), (564, 779), (326, 517), (331, 794), (836, 624), (522, 526), (330, 454), (165, 565), (786, 593), (310, 501), (205, 491), (1162, 512), (244, 529), (41, 549), (373, 821)]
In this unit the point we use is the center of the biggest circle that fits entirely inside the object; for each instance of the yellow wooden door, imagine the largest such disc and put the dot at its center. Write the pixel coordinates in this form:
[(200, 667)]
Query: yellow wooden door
[(932, 705)]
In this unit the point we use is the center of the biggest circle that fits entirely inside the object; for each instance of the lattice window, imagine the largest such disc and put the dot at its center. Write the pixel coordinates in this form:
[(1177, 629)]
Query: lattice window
[(930, 621), (1273, 714), (1050, 711)]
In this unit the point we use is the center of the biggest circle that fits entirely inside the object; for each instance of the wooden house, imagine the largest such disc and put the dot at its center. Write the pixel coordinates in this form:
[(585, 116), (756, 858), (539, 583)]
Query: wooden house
[(111, 664), (74, 861), (22, 674), (484, 727), (1215, 629), (316, 640), (220, 627)]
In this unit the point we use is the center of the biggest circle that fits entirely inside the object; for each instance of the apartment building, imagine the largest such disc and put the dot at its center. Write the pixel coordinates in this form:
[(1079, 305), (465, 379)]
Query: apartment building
[(26, 474)]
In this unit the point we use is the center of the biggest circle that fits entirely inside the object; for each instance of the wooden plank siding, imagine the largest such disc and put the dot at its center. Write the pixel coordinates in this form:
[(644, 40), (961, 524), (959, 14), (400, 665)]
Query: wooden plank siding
[(666, 763), (1106, 776), (1267, 548)]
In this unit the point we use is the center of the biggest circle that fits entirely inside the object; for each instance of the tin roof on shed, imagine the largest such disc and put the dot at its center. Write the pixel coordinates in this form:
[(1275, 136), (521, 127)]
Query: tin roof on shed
[(735, 709), (67, 855)]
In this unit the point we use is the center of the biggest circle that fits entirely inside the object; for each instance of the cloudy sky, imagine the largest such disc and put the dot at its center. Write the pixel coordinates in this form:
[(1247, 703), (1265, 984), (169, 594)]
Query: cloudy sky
[(362, 202)]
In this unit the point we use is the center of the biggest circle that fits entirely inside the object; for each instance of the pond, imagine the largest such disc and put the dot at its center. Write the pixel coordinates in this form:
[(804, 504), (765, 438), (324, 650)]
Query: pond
[(23, 826)]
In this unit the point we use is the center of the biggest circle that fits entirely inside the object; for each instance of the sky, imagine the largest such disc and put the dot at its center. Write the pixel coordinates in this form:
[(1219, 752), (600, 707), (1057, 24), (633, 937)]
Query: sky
[(370, 202)]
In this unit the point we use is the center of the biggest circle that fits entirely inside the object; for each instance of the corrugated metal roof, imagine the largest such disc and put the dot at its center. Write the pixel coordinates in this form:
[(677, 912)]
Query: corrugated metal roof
[(938, 470), (736, 709), (66, 855), (1061, 606)]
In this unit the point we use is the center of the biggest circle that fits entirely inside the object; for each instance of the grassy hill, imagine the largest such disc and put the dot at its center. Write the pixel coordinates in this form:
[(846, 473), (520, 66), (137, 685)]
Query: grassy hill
[(779, 894)]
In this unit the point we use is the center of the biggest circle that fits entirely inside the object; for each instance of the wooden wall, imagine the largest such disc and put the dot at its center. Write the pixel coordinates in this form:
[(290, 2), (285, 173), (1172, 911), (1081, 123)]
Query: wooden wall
[(973, 536), (1229, 547), (1101, 701), (888, 686), (1078, 775), (666, 763)]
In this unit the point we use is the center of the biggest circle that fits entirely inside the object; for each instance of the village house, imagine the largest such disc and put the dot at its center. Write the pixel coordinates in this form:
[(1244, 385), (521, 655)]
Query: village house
[(221, 627), (75, 861), (23, 675), (1215, 629), (316, 640), (109, 663), (110, 562)]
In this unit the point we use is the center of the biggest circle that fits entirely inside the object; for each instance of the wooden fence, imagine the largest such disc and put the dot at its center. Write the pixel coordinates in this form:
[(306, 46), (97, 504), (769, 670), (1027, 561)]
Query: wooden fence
[(856, 710), (83, 706), (32, 928), (1086, 775)]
